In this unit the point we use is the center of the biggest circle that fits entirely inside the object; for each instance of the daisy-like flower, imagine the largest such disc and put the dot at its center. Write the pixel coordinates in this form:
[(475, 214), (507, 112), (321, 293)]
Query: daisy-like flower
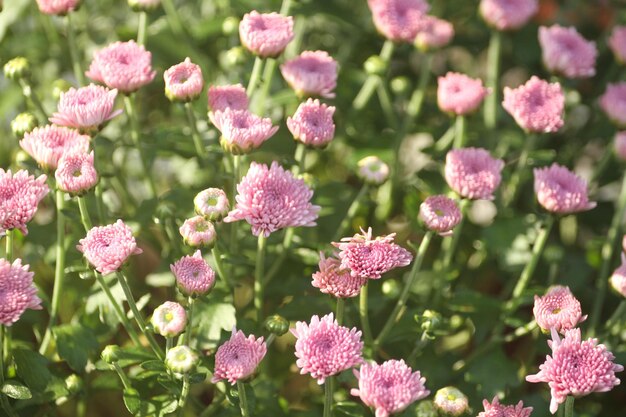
[(76, 173), (48, 144), (508, 14), (20, 194), (450, 401), (398, 20), (194, 275), (241, 130), (561, 191), (613, 102), (270, 198), (558, 309), (181, 359), (368, 257), (473, 173), (238, 358), (333, 280), (107, 248), (17, 291), (324, 348), (617, 43), (57, 7), (460, 94), (265, 34), (312, 73), (198, 231), (86, 108), (536, 106), (143, 5), (576, 368), (183, 82), (620, 145), (390, 387), (169, 319), (372, 170), (440, 214), (495, 409), (618, 278), (126, 66), (232, 97), (211, 203), (433, 33), (566, 52), (312, 124)]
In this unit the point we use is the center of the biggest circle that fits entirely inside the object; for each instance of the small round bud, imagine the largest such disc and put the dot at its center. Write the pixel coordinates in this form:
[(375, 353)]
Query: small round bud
[(143, 5), (59, 86), (230, 26), (169, 319), (372, 170), (211, 203), (110, 354), (74, 383), (22, 124), (391, 288), (17, 68), (276, 324), (181, 359), (451, 402), (426, 409), (430, 321), (374, 65), (234, 57), (198, 231), (400, 85)]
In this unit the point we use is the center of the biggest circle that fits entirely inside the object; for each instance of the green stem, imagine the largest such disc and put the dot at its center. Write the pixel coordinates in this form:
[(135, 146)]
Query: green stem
[(71, 39), (84, 213), (268, 76), (341, 305), (619, 311), (414, 107), (300, 157), (387, 105), (258, 276), (122, 375), (98, 190), (129, 103), (284, 249), (10, 239), (328, 397), (373, 81), (234, 225), (3, 398), (27, 91), (449, 245), (522, 162), (352, 210), (569, 406), (364, 315), (218, 266), (459, 138), (173, 19), (141, 29), (169, 343), (195, 135), (183, 396), (493, 69), (254, 76), (285, 7), (187, 335), (243, 400)]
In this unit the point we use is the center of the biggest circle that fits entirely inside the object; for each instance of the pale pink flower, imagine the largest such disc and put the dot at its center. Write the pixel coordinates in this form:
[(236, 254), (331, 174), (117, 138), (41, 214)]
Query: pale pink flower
[(576, 368), (558, 309), (20, 194), (508, 14), (76, 173), (312, 124), (473, 173), (460, 94), (566, 52), (613, 102), (398, 20), (198, 231), (107, 248), (270, 198), (169, 319), (450, 401), (372, 170), (211, 203), (333, 280), (324, 348), (238, 358), (433, 33), (126, 66), (536, 106), (194, 275), (561, 191), (48, 144), (618, 278), (241, 130), (617, 43), (620, 145), (495, 409), (265, 34), (86, 108), (17, 291), (390, 387), (311, 73), (181, 360), (183, 82), (440, 214), (57, 7), (232, 97)]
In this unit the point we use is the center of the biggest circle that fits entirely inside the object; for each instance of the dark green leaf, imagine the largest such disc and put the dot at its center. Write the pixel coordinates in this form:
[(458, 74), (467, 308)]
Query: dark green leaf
[(154, 365), (75, 344), (16, 389), (132, 401), (32, 368), (197, 378)]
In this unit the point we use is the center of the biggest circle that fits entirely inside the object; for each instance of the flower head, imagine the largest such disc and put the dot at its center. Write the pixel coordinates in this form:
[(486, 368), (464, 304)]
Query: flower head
[(169, 319), (86, 108), (20, 194), (143, 5), (558, 309), (198, 231), (265, 34), (450, 401), (17, 291), (620, 145), (372, 170), (311, 73), (232, 97), (76, 173), (508, 14), (211, 203), (194, 275), (57, 7), (473, 173), (238, 358), (567, 53), (183, 82), (613, 102), (181, 359), (440, 214), (312, 124), (398, 20), (495, 409), (241, 130), (333, 280), (561, 191), (536, 106), (433, 33), (618, 278), (48, 144), (460, 94), (617, 43)]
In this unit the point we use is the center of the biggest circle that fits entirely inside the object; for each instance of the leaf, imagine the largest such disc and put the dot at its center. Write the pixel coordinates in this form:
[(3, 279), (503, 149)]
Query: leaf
[(75, 343), (216, 317), (16, 389), (493, 373), (132, 401), (32, 368), (154, 365), (197, 378), (161, 279)]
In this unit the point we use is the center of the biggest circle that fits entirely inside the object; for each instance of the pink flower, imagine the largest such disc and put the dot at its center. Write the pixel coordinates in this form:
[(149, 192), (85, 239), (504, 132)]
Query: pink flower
[(620, 145), (86, 108), (265, 34), (76, 173), (473, 173), (311, 73), (57, 7), (618, 278), (508, 14), (440, 214), (333, 280), (561, 191), (193, 275), (183, 82), (312, 124), (169, 319), (270, 198), (232, 97), (567, 53), (198, 231), (433, 33), (238, 358), (558, 309), (241, 130), (17, 291), (324, 348), (460, 94), (536, 106), (372, 170), (495, 409), (48, 144), (576, 368), (398, 20), (617, 43), (370, 258), (107, 248), (211, 203), (20, 194), (390, 387), (126, 66), (613, 102)]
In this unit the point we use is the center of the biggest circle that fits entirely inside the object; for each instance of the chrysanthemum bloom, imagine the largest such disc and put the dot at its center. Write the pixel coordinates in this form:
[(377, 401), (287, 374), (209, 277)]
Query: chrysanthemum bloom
[(508, 14), (143, 5), (126, 66), (440, 214), (566, 53), (576, 368), (613, 102), (181, 359), (238, 358), (169, 319), (241, 130), (17, 291), (198, 231), (617, 43), (495, 409), (20, 194), (460, 94), (48, 144), (312, 124), (107, 248), (270, 198), (536, 106), (473, 173), (211, 203), (193, 274), (558, 309), (368, 257), (390, 387), (224, 97), (333, 280), (183, 82), (398, 20), (324, 348), (311, 73), (86, 108), (57, 7), (433, 33), (76, 173), (561, 191), (450, 401), (620, 145), (618, 278), (373, 170), (265, 34)]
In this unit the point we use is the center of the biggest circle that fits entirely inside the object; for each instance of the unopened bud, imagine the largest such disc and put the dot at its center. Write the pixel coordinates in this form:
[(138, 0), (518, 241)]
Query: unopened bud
[(230, 26), (169, 319), (59, 86), (74, 384), (374, 65), (276, 324), (181, 359), (111, 354), (451, 402), (212, 204), (143, 5), (22, 124), (234, 57), (372, 170), (17, 68), (400, 85)]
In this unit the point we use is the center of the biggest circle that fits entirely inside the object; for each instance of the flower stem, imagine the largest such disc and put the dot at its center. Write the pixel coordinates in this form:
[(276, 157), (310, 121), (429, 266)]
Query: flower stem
[(173, 19), (341, 304), (414, 107), (459, 138), (27, 91), (493, 69), (187, 335), (268, 75), (234, 225), (254, 76), (218, 265), (258, 276), (619, 311), (364, 315), (328, 396), (300, 157), (372, 81), (129, 103), (284, 249), (352, 210), (122, 375), (141, 29), (71, 40), (569, 406), (169, 343), (387, 105), (243, 400), (98, 190), (10, 238), (84, 213), (449, 245), (3, 398), (516, 179), (195, 135), (183, 396)]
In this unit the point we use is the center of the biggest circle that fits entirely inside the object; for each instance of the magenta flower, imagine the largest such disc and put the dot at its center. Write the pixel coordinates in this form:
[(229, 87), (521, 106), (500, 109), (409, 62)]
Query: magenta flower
[(86, 108), (333, 280), (372, 170), (398, 20), (324, 348), (48, 144), (390, 387), (193, 274), (265, 34), (183, 82), (238, 358), (20, 194), (558, 309), (617, 43), (495, 409), (566, 53), (169, 319), (618, 278), (613, 102), (508, 14), (473, 173), (241, 130), (561, 191), (440, 214), (57, 7), (433, 33), (576, 368), (76, 173), (198, 231), (211, 203), (311, 73), (620, 145), (536, 106), (270, 198), (232, 97), (17, 291), (312, 124), (460, 94)]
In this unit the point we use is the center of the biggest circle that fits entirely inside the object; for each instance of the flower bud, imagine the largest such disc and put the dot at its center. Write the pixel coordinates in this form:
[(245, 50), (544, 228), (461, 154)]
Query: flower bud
[(430, 321), (374, 65), (169, 319), (59, 86), (22, 124), (230, 26), (391, 288), (143, 5), (426, 409), (277, 325), (234, 57), (211, 203), (372, 170), (110, 354), (181, 359), (451, 402), (400, 85), (74, 383), (17, 68)]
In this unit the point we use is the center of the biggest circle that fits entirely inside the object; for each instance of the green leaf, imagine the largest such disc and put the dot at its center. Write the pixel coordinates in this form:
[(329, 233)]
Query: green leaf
[(75, 343), (16, 389), (217, 317), (154, 365), (32, 368), (132, 401), (197, 377)]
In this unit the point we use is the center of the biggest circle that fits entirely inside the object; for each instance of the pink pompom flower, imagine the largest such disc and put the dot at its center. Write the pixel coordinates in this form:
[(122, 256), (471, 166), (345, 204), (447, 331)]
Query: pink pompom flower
[(232, 97), (312, 124), (265, 34), (312, 73), (398, 20), (536, 106), (618, 278), (372, 170), (620, 145), (433, 33), (238, 358), (198, 231), (460, 94), (76, 173), (389, 387), (17, 291), (332, 279), (617, 43), (566, 52), (558, 309), (561, 191), (194, 275), (57, 7), (495, 409), (613, 102), (508, 14), (241, 130), (20, 193), (211, 203), (473, 173), (86, 108), (169, 319), (440, 214), (183, 82), (48, 144)]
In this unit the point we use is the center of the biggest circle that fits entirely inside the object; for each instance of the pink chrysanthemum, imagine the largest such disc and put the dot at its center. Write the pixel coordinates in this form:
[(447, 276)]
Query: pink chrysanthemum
[(76, 173), (558, 309), (333, 280), (169, 319), (270, 198), (460, 94), (433, 33), (48, 144), (508, 14), (618, 278), (193, 275), (620, 145), (57, 7), (536, 106), (241, 130), (617, 43), (561, 191), (473, 173), (107, 248), (613, 102), (238, 358), (312, 124), (265, 34), (324, 348), (576, 368), (398, 20), (390, 387), (311, 73), (198, 231), (20, 194), (86, 108), (211, 203), (440, 214), (373, 170), (566, 52), (17, 291), (126, 66), (495, 409), (232, 97), (183, 82), (368, 257)]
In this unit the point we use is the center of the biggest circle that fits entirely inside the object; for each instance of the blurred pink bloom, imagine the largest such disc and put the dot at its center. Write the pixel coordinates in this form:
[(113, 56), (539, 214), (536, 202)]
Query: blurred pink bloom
[(433, 33), (620, 145), (565, 52), (495, 409), (198, 231), (265, 34), (76, 173), (183, 82), (238, 357), (460, 94), (536, 106), (440, 214), (48, 144), (86, 108), (311, 73), (212, 203), (169, 319), (618, 278), (561, 191), (473, 173), (312, 124), (20, 194), (508, 14), (17, 291), (613, 102), (193, 275), (57, 7), (558, 309), (617, 43), (333, 280), (241, 130), (372, 170), (398, 20), (232, 97)]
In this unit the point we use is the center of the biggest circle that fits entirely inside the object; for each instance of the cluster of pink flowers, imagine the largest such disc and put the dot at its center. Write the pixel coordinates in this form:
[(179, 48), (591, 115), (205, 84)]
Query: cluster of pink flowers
[(566, 52), (194, 276), (473, 173), (536, 106), (266, 34), (332, 279), (17, 291), (561, 191), (558, 309), (312, 73), (238, 358), (20, 194), (460, 94), (107, 248)]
